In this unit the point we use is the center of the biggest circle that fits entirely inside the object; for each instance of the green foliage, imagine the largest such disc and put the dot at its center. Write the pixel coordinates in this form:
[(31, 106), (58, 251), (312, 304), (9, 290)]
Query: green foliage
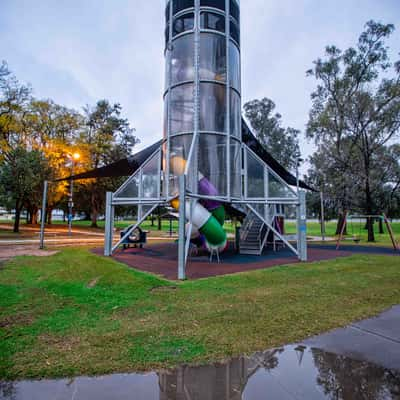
[(282, 143), (354, 120), (22, 174), (106, 138), (14, 97), (100, 136), (76, 313)]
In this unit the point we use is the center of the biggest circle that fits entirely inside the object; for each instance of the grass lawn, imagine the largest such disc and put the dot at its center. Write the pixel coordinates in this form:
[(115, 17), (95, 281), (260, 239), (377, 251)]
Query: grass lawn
[(76, 313), (314, 229), (146, 225)]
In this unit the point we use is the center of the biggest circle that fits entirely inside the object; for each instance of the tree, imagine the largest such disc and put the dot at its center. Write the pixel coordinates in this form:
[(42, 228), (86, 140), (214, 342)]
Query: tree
[(355, 116), (335, 180), (282, 143), (47, 122), (107, 138), (53, 129), (22, 174), (341, 377), (13, 100), (29, 126)]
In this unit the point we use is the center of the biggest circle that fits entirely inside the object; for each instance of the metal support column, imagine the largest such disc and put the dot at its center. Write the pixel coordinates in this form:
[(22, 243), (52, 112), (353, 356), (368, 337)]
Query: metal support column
[(43, 215), (182, 228), (266, 195), (109, 228), (228, 101), (323, 229), (302, 227)]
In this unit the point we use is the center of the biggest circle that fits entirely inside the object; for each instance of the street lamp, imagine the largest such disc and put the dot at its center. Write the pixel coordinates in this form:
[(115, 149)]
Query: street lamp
[(74, 157)]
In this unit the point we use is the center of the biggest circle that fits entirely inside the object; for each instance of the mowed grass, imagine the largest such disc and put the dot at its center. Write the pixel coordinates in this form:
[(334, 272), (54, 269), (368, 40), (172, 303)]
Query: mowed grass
[(146, 225), (354, 229), (77, 313)]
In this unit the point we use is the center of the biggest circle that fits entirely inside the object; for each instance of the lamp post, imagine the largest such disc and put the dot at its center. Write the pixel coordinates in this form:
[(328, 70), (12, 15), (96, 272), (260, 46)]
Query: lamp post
[(43, 215), (74, 158), (323, 230)]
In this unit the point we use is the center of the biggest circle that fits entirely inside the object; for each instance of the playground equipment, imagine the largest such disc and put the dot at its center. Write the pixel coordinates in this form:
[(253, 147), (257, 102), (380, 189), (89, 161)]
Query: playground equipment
[(137, 237), (208, 216), (209, 159), (356, 237)]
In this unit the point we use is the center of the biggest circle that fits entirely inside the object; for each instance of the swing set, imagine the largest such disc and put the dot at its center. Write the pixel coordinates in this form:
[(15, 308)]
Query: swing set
[(356, 236)]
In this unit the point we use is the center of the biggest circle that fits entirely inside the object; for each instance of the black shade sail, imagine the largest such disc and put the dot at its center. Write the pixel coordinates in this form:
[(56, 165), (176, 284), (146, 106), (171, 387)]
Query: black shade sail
[(125, 167), (130, 165)]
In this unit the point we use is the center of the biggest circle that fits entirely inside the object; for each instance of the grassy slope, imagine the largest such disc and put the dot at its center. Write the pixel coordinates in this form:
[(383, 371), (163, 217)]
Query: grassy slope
[(77, 313)]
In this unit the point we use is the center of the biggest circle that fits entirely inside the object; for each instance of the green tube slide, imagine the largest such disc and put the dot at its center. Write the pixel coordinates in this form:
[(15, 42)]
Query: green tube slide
[(213, 232), (209, 224)]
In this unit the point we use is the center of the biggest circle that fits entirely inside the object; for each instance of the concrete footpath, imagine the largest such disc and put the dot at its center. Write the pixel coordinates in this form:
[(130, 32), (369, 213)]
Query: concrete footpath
[(375, 340)]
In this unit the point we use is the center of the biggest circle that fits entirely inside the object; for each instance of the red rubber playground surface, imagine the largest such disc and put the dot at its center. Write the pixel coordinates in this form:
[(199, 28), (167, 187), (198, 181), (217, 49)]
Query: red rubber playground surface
[(162, 259)]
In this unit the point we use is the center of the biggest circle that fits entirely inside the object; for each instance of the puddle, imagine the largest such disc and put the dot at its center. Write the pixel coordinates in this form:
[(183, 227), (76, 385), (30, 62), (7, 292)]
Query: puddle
[(290, 373)]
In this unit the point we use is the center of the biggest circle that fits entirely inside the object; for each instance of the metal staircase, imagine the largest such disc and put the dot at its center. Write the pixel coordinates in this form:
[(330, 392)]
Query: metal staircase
[(253, 235)]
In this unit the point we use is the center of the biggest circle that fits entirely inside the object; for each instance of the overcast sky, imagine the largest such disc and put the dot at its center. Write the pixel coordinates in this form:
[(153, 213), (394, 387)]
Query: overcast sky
[(79, 51)]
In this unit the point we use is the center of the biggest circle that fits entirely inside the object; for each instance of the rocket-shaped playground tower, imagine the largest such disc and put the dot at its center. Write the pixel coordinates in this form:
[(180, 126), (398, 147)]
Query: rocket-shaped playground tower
[(209, 162), (202, 99)]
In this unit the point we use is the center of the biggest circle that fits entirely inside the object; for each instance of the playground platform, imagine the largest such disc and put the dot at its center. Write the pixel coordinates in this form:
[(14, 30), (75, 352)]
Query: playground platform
[(162, 259)]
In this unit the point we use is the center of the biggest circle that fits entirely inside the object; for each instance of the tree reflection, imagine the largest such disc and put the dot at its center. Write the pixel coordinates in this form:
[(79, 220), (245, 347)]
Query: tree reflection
[(345, 379), (339, 377), (7, 390)]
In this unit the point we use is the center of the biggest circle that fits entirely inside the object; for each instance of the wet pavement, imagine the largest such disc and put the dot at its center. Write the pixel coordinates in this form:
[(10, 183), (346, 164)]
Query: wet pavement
[(360, 362), (375, 340)]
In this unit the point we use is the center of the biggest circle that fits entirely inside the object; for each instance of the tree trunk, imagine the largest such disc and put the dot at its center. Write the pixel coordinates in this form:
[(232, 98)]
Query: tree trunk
[(370, 227), (17, 217), (29, 217), (370, 221), (34, 215), (368, 196), (94, 216), (340, 225), (159, 219), (94, 211), (381, 226)]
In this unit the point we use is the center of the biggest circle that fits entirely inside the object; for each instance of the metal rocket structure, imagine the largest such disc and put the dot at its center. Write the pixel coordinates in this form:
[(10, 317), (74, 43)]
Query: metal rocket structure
[(208, 160)]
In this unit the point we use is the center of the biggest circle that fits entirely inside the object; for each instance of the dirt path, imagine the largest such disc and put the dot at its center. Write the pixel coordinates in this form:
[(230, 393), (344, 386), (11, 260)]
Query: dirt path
[(8, 252)]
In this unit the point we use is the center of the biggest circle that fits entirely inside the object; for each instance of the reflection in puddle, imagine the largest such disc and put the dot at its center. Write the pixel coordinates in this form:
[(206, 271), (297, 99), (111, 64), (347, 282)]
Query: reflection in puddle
[(293, 372)]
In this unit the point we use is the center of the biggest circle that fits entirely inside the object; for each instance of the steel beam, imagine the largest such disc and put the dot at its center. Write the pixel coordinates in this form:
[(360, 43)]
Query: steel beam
[(302, 227), (109, 227), (132, 228), (273, 229), (182, 228)]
